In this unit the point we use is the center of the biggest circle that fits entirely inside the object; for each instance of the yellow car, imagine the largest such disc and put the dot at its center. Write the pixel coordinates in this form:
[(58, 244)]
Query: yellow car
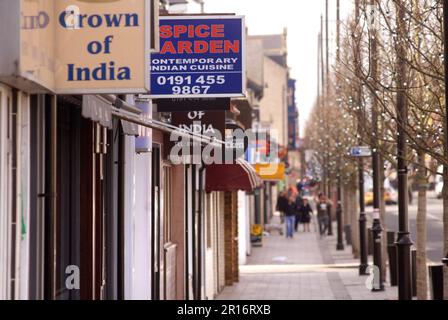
[(390, 197), (368, 198)]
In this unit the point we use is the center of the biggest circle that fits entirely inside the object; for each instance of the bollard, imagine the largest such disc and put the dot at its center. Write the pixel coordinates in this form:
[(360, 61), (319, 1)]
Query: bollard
[(436, 281), (392, 252), (348, 234), (414, 272), (377, 250), (369, 242), (391, 237)]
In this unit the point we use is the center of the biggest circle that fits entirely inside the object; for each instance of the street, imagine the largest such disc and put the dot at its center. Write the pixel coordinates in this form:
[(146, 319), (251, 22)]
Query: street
[(434, 225), (170, 149)]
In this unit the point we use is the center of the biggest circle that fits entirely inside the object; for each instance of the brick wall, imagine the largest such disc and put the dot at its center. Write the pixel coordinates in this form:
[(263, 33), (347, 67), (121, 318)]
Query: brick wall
[(231, 238), (221, 243), (236, 270)]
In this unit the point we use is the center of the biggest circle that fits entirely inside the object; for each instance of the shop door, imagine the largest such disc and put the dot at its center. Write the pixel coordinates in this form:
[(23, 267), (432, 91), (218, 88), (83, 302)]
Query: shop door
[(80, 224)]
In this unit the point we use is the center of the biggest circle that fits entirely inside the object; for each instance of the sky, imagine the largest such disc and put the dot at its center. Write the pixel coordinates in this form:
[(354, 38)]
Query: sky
[(302, 18)]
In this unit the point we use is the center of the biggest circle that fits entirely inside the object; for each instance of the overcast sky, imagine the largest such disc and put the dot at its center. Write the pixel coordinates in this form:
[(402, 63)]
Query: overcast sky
[(302, 18)]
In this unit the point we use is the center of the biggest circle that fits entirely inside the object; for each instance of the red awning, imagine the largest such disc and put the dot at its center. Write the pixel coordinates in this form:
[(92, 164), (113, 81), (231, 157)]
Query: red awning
[(232, 177)]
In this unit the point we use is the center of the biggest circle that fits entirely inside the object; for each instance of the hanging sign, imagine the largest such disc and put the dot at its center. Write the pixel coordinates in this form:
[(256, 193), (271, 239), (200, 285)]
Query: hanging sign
[(76, 46), (200, 57), (209, 124), (102, 47)]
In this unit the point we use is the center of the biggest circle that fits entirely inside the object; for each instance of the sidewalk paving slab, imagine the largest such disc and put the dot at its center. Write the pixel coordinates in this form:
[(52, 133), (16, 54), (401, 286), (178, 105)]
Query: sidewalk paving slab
[(303, 268)]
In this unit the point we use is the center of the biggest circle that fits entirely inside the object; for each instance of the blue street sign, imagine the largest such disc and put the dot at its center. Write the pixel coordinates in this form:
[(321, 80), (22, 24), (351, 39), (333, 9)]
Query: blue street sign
[(360, 152), (200, 57)]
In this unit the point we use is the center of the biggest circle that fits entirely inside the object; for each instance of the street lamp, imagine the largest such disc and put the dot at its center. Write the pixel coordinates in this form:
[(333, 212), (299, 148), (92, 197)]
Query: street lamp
[(376, 226), (340, 242), (362, 222), (362, 207), (404, 242), (445, 62)]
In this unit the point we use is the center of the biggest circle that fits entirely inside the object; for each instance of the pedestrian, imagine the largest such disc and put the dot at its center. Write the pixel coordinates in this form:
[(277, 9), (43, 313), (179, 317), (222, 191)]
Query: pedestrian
[(305, 215), (300, 187), (282, 202), (298, 206), (290, 217), (323, 209)]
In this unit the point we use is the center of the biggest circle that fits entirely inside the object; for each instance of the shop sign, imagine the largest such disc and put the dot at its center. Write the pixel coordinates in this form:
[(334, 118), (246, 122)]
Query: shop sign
[(200, 57), (209, 124), (271, 171), (201, 123), (79, 46)]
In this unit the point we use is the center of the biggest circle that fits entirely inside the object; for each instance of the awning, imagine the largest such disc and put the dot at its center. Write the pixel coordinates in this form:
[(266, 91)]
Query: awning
[(102, 108), (129, 128), (231, 177), (99, 109)]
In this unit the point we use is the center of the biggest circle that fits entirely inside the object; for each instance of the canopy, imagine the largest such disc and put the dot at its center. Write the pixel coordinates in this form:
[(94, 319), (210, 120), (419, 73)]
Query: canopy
[(232, 177)]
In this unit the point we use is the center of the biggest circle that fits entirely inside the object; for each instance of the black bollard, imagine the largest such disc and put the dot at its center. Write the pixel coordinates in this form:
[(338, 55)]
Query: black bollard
[(436, 281)]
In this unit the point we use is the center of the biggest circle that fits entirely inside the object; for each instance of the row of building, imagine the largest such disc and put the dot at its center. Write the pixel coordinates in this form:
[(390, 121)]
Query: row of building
[(91, 207)]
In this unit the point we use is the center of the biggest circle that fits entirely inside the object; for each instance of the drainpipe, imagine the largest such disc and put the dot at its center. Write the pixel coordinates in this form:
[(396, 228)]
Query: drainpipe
[(186, 237), (200, 230), (15, 198), (53, 196), (194, 233)]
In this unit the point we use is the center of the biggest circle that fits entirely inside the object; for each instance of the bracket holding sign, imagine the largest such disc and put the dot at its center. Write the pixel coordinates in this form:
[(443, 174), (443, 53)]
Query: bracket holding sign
[(191, 104)]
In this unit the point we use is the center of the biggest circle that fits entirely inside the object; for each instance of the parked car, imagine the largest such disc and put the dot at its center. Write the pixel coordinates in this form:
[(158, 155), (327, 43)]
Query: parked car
[(390, 196)]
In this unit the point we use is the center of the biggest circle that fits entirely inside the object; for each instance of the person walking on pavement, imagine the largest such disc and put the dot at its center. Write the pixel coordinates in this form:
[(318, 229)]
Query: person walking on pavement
[(282, 202), (323, 207), (290, 217), (305, 214), (299, 204)]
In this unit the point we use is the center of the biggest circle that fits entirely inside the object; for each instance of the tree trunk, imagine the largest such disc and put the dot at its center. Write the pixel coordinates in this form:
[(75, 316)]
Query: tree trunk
[(422, 268), (354, 212), (384, 252), (346, 206), (445, 230)]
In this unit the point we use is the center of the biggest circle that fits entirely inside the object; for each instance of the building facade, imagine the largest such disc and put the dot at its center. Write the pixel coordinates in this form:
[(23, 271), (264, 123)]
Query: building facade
[(93, 208)]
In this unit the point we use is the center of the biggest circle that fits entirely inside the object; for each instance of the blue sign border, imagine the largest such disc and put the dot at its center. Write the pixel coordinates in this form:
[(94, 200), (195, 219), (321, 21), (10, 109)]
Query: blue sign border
[(243, 59)]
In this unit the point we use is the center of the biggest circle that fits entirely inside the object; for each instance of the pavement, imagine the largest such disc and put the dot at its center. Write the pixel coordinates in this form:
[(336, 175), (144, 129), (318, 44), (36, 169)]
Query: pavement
[(303, 268)]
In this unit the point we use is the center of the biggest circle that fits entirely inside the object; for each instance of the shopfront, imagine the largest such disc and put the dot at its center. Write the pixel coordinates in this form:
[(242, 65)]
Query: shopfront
[(67, 165)]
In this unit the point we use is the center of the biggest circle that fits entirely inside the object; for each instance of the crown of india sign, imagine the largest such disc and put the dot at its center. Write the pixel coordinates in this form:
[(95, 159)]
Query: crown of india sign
[(80, 46)]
